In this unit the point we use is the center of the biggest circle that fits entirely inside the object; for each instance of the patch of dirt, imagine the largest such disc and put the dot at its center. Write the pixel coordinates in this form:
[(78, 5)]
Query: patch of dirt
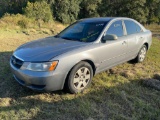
[(127, 74), (112, 71)]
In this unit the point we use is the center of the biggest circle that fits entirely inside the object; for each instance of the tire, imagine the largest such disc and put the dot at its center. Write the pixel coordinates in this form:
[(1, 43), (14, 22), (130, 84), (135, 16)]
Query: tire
[(141, 55), (79, 78)]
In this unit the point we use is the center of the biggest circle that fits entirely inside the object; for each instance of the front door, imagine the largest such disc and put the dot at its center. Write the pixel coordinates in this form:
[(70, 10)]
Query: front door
[(113, 52)]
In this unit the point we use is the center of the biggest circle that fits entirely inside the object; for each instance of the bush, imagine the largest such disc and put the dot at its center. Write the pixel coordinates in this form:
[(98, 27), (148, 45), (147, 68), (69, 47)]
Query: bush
[(14, 20), (23, 23), (38, 10)]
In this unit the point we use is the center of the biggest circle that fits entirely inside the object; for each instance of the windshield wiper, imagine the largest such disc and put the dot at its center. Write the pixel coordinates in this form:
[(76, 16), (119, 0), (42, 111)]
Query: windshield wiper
[(67, 38)]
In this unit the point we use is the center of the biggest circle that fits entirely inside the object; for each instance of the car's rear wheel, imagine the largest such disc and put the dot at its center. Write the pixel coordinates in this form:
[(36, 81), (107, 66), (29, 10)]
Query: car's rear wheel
[(141, 55), (80, 77)]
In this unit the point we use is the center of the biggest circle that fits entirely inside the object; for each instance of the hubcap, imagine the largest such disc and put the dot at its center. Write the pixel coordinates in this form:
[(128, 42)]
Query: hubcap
[(81, 78), (142, 54)]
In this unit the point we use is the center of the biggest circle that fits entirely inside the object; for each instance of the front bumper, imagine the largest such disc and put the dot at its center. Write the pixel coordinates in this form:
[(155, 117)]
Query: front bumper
[(39, 81)]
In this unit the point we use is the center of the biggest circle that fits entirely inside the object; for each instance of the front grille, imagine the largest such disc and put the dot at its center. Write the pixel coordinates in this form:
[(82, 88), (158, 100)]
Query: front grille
[(16, 62)]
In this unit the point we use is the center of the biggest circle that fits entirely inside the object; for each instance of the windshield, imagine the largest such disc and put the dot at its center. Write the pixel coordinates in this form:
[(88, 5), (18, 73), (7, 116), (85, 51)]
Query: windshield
[(84, 32)]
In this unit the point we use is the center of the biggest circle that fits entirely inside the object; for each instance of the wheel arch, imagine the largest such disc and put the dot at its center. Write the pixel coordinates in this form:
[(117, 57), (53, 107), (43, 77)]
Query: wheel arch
[(92, 65), (147, 45), (85, 60)]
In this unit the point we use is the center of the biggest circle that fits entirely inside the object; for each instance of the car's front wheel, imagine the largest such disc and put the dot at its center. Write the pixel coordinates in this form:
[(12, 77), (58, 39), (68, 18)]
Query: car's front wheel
[(80, 77)]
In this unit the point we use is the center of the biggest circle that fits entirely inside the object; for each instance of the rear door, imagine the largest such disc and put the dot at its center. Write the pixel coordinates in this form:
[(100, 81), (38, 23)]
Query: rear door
[(133, 37)]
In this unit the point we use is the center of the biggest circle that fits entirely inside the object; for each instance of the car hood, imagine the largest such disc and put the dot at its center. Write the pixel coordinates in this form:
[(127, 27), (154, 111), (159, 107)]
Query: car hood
[(46, 49)]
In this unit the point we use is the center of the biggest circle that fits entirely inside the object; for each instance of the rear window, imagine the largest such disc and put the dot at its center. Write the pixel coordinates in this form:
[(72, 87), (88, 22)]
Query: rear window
[(139, 29), (130, 27)]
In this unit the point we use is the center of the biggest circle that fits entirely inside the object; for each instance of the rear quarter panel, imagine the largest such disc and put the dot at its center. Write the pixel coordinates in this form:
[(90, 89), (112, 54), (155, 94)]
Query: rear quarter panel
[(147, 37)]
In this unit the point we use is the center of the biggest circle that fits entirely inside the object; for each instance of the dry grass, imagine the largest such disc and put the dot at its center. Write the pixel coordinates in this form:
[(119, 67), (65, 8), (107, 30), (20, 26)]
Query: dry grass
[(118, 93)]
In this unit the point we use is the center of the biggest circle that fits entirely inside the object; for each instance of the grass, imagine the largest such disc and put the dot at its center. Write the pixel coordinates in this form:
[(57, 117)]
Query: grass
[(117, 93)]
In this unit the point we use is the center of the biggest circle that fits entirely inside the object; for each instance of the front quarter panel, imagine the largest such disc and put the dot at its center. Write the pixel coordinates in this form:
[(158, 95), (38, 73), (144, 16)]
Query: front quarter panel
[(69, 60)]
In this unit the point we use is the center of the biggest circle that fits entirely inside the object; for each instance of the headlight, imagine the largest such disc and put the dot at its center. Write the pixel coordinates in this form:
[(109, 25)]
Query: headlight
[(46, 66)]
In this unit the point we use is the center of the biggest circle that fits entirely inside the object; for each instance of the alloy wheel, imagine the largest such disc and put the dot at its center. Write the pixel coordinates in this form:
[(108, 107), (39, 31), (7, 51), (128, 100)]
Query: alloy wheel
[(142, 54), (81, 78)]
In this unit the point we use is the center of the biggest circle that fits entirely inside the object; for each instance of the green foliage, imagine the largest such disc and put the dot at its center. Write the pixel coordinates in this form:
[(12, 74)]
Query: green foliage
[(125, 8), (136, 9), (12, 6), (38, 11), (154, 11), (90, 8), (3, 6), (66, 11)]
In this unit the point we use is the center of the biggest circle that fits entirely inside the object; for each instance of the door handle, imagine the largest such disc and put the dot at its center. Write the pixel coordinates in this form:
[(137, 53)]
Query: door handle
[(124, 43), (141, 38)]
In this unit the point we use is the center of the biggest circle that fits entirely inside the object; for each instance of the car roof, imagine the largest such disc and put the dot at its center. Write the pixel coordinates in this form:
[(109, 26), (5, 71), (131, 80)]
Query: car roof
[(100, 19), (108, 19)]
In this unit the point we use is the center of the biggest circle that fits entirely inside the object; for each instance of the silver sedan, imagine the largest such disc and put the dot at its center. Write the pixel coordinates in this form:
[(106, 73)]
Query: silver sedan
[(85, 48)]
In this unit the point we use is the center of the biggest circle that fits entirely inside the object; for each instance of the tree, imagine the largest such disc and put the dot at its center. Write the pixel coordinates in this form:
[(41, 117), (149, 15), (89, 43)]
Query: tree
[(3, 6), (125, 8), (38, 10), (89, 8), (12, 6), (157, 13), (153, 7), (66, 11), (135, 9)]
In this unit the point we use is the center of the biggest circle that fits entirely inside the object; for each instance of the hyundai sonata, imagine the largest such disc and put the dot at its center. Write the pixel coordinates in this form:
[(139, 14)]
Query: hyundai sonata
[(80, 51)]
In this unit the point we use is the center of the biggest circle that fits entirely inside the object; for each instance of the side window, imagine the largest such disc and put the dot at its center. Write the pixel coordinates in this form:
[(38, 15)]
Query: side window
[(130, 27), (139, 29), (116, 28)]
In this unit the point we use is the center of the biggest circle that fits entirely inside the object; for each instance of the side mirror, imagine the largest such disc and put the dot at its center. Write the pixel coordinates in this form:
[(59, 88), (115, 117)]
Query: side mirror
[(109, 37)]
